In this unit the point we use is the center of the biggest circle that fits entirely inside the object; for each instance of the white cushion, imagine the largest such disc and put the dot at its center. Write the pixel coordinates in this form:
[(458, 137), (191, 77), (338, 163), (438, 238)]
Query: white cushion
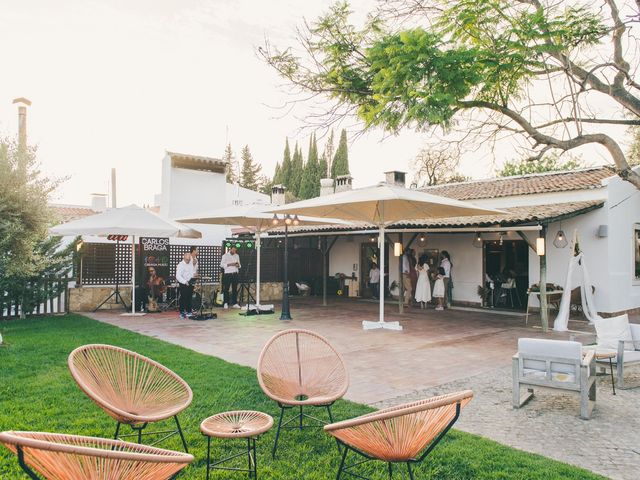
[(635, 333), (611, 330), (571, 351)]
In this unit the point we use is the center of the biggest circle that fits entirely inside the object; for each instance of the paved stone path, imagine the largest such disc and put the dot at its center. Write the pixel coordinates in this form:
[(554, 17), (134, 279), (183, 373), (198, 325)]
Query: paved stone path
[(608, 443)]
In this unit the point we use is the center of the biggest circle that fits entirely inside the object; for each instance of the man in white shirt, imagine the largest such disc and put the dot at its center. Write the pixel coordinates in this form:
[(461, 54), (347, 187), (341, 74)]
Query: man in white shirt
[(184, 274), (374, 280), (231, 264)]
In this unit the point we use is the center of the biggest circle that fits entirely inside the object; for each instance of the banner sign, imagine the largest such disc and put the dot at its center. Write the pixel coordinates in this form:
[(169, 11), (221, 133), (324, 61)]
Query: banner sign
[(154, 262)]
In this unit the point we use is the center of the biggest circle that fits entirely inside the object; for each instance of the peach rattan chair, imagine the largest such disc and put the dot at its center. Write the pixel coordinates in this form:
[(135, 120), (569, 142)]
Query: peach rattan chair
[(403, 434), (132, 389), (70, 457), (299, 368)]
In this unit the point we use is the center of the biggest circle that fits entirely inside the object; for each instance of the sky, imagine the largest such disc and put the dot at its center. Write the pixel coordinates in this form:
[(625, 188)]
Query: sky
[(116, 83)]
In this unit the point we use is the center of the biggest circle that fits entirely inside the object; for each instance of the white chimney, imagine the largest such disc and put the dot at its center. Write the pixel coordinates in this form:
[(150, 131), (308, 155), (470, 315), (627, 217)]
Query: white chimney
[(98, 202), (343, 183), (278, 194), (326, 186), (396, 178)]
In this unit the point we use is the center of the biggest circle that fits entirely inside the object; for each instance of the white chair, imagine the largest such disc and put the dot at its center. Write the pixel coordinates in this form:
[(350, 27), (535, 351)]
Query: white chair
[(555, 364), (509, 289), (618, 336)]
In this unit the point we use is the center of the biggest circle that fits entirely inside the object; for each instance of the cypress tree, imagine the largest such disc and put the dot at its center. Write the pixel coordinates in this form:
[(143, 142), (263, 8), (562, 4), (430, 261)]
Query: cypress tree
[(310, 184), (285, 168), (327, 156), (251, 173), (232, 164), (340, 165), (277, 174), (297, 169)]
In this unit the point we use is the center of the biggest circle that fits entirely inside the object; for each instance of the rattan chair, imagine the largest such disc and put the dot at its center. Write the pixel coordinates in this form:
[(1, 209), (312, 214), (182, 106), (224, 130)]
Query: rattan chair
[(299, 368), (403, 434), (131, 388), (70, 457)]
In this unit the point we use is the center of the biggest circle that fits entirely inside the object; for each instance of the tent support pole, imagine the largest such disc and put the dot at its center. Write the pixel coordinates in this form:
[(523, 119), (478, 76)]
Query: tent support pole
[(544, 312), (401, 280), (258, 242)]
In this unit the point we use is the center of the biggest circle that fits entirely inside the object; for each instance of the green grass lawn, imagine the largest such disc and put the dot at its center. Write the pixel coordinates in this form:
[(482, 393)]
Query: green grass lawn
[(38, 393)]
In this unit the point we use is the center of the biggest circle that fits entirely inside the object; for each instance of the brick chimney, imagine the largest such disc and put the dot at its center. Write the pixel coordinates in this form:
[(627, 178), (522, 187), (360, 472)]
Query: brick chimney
[(396, 178), (277, 195), (343, 183), (326, 186)]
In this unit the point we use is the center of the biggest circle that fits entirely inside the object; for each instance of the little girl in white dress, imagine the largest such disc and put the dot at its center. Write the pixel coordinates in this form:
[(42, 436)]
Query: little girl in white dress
[(423, 287), (438, 289)]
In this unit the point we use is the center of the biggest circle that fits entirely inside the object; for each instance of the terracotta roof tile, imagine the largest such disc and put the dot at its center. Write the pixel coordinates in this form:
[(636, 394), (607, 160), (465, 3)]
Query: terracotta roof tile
[(66, 213), (582, 179)]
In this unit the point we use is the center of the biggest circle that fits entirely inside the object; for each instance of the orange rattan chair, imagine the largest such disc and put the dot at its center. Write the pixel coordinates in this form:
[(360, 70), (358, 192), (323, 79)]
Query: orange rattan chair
[(402, 434), (299, 368), (70, 457), (132, 389)]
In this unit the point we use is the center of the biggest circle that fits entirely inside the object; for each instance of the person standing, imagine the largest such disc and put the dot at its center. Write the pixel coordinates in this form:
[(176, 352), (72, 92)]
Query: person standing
[(413, 273), (438, 289), (374, 280), (445, 263), (423, 287), (231, 264), (184, 275)]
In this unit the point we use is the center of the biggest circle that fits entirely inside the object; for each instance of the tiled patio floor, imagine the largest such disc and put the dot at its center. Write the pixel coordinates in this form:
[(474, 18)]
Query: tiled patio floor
[(434, 347)]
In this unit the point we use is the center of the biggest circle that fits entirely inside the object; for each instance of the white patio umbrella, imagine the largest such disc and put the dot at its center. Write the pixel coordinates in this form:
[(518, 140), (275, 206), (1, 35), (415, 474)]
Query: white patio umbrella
[(254, 218), (132, 221), (381, 205)]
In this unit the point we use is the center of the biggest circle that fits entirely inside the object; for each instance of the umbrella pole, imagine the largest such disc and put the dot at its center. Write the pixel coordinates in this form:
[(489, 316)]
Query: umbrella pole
[(368, 325), (258, 269)]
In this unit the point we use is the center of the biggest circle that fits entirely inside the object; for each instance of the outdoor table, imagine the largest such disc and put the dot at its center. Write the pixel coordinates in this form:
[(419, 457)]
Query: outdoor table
[(236, 425), (550, 293)]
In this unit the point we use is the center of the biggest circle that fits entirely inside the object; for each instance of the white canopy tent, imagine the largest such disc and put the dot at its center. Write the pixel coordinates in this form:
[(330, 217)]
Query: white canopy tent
[(382, 205), (131, 221), (254, 218), (577, 276)]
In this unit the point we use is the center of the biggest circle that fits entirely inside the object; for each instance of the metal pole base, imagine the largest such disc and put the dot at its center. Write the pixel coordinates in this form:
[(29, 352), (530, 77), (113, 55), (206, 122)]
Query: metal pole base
[(368, 325)]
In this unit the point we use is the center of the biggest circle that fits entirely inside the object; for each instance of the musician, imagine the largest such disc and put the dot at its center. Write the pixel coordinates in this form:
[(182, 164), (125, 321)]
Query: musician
[(184, 276), (231, 264)]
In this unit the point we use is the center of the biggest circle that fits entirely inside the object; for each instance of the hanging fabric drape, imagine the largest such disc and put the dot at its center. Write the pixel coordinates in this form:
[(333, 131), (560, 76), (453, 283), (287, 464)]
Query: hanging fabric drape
[(577, 276)]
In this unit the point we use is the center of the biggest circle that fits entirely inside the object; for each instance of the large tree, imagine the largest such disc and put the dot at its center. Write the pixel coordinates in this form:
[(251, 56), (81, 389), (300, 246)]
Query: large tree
[(27, 254), (327, 156), (251, 172), (545, 71), (435, 167), (340, 163)]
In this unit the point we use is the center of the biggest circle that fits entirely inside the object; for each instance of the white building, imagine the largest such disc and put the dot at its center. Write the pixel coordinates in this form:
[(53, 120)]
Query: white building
[(600, 206), (193, 184)]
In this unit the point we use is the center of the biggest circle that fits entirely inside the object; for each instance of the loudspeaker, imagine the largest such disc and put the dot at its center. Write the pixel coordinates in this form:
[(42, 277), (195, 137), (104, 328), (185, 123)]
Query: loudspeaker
[(603, 231)]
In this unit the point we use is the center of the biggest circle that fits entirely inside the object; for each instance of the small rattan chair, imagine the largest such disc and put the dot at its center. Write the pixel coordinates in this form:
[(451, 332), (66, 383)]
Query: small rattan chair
[(403, 434), (70, 457), (131, 388), (299, 368)]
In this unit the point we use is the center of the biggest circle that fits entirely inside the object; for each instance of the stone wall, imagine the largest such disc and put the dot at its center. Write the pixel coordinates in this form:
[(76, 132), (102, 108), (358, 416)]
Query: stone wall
[(86, 299)]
